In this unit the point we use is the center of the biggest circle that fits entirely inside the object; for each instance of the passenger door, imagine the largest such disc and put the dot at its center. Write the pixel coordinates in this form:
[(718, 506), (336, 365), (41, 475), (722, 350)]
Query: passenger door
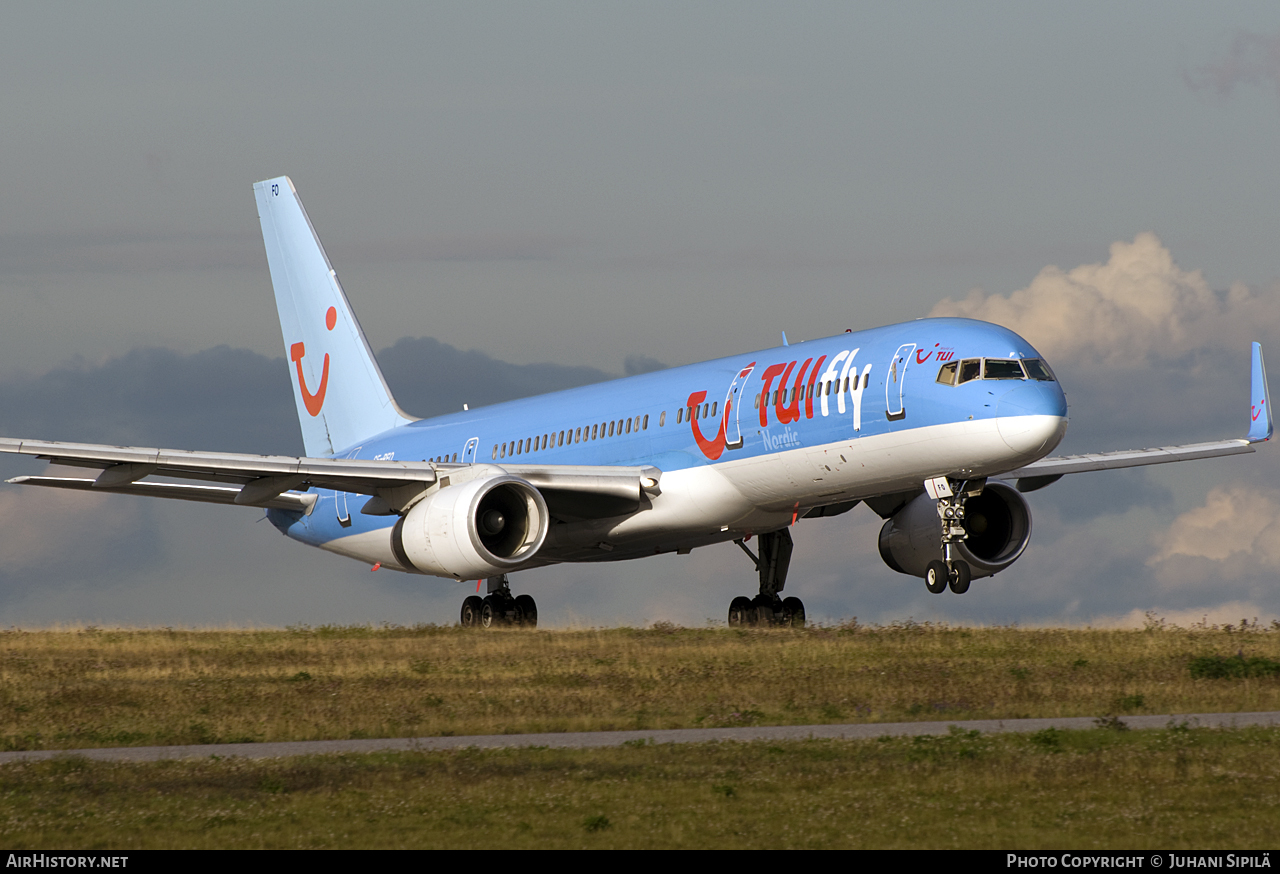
[(733, 408), (895, 380)]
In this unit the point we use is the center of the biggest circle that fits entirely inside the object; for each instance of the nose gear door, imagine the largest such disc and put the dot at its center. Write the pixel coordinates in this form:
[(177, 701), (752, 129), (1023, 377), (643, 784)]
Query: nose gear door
[(894, 382)]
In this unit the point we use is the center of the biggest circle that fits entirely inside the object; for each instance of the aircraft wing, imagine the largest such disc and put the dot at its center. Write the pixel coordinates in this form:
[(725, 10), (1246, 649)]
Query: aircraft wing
[(272, 480), (1049, 470)]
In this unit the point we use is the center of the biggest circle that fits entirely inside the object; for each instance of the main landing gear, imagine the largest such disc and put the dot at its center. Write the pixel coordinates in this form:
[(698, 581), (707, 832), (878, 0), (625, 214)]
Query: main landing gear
[(499, 607), (768, 607), (952, 572)]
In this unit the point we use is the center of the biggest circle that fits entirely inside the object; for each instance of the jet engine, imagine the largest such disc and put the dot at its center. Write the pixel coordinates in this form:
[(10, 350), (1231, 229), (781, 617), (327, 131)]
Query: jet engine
[(998, 522), (476, 529)]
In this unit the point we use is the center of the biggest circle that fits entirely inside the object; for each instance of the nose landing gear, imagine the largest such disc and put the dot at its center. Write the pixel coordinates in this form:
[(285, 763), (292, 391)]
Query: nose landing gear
[(768, 607), (952, 572), (499, 607)]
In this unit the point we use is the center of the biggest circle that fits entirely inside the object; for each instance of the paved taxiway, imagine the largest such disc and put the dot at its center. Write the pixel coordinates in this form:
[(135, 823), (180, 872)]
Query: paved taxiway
[(588, 739)]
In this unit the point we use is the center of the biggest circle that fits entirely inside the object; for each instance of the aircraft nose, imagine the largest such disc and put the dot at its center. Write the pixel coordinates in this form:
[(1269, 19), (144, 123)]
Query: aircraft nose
[(1032, 417)]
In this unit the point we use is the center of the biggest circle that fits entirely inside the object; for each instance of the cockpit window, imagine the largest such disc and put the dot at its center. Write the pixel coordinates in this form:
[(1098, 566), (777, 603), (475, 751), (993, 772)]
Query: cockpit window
[(1037, 369), (947, 373), (970, 368), (1002, 368)]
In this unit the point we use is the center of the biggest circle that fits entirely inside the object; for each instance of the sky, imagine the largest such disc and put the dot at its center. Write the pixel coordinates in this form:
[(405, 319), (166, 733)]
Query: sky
[(524, 197)]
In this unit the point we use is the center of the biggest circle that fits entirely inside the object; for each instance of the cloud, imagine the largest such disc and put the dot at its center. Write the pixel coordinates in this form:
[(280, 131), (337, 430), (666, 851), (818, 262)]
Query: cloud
[(1136, 308), (1236, 523), (42, 526), (1253, 59), (1227, 613)]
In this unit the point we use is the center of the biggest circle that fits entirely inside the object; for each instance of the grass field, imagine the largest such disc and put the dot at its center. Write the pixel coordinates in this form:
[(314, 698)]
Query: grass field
[(1177, 787), (1162, 789), (93, 688)]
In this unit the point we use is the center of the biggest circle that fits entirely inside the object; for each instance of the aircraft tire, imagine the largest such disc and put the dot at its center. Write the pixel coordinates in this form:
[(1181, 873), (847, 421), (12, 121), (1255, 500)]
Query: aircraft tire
[(936, 577), (492, 613), (741, 613), (526, 611), (793, 612), (764, 609), (471, 612), (960, 577)]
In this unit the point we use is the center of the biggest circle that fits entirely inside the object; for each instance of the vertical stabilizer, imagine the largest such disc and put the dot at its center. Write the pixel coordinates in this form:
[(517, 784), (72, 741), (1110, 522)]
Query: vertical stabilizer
[(341, 395)]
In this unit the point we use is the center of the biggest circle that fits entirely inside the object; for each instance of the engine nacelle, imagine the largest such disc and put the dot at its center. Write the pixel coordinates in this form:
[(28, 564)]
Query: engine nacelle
[(476, 529), (998, 522)]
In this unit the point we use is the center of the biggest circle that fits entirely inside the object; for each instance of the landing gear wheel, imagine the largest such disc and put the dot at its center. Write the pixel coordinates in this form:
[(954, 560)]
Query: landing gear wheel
[(471, 611), (741, 613), (960, 576), (793, 612), (491, 613), (935, 577), (526, 611), (766, 609)]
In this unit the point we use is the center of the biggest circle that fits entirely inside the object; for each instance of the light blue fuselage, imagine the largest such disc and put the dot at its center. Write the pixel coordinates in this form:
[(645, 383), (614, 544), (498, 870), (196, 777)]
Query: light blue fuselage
[(901, 402)]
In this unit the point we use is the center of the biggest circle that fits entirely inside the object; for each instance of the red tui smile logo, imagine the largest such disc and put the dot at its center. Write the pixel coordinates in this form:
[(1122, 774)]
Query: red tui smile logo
[(313, 402)]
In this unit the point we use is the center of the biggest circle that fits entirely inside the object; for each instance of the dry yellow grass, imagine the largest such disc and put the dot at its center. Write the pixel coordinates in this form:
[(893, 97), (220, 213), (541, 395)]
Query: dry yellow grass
[(92, 687), (1167, 789)]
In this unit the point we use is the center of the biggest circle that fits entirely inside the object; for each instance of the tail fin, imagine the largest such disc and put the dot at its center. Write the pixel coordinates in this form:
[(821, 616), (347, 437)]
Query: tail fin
[(341, 395)]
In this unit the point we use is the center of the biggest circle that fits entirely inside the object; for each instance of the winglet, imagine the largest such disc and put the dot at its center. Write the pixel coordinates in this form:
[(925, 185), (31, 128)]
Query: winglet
[(1260, 425)]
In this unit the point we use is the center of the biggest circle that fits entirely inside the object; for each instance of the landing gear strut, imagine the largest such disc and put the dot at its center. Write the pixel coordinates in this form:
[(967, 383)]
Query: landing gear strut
[(499, 607), (952, 572), (768, 607)]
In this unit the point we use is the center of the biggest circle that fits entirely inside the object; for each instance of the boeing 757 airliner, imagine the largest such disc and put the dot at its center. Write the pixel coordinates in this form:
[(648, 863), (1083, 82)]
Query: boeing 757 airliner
[(938, 425)]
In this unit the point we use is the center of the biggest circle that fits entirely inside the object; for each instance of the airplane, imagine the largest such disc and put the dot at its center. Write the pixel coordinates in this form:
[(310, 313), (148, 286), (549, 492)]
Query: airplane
[(938, 425)]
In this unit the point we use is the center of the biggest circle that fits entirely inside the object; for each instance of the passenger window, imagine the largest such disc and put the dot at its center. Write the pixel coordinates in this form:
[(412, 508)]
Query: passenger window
[(757, 406), (593, 431), (705, 407), (714, 406), (610, 429), (970, 368), (662, 419), (999, 368), (645, 424), (1037, 369), (947, 373), (679, 415), (495, 451)]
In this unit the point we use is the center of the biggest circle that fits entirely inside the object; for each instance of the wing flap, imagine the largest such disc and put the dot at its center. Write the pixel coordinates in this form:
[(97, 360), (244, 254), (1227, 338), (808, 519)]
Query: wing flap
[(571, 491), (203, 494)]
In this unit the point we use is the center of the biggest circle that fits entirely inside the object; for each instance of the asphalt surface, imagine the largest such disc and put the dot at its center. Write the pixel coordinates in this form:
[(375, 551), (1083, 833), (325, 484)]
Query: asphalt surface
[(590, 739)]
